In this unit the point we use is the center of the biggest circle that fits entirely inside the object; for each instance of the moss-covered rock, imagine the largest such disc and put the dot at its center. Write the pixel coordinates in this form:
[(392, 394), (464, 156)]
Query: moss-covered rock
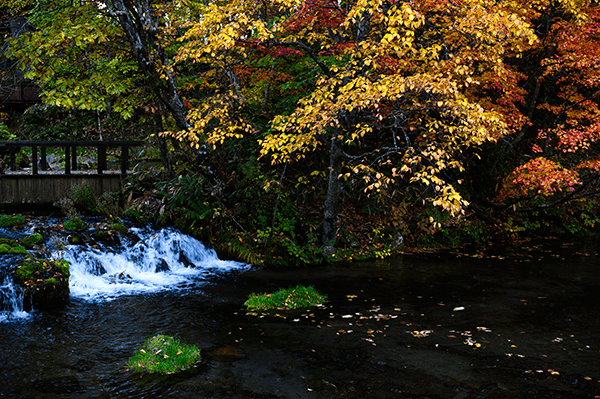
[(32, 240), (12, 221), (75, 239), (101, 235), (46, 282), (74, 224), (11, 247), (119, 228)]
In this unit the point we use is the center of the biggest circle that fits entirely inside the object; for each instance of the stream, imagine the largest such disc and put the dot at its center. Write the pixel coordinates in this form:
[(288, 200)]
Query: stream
[(412, 326)]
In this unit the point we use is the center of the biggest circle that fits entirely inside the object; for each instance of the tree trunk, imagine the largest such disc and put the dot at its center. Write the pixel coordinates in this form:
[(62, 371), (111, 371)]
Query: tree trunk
[(334, 189), (141, 29), (162, 146), (334, 186)]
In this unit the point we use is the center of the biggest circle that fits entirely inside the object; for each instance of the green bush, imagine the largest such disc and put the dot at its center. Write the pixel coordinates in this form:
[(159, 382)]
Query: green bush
[(83, 197), (164, 355)]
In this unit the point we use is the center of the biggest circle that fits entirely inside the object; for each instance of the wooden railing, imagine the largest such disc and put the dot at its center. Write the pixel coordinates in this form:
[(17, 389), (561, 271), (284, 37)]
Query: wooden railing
[(11, 148)]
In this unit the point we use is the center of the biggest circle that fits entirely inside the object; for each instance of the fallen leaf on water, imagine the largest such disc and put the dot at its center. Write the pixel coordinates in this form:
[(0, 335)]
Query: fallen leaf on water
[(421, 334)]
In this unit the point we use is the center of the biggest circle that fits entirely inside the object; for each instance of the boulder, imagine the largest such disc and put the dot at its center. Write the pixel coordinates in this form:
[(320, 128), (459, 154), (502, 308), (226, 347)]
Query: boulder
[(45, 282)]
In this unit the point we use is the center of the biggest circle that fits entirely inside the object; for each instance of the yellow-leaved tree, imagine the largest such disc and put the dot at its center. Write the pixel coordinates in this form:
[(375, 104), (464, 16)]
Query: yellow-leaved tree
[(397, 88)]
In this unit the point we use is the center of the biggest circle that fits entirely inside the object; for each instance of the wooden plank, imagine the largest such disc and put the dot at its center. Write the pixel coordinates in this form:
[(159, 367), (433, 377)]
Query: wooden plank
[(82, 143), (47, 189)]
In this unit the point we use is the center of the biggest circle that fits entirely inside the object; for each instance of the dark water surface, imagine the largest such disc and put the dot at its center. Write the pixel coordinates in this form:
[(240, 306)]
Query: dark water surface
[(409, 327)]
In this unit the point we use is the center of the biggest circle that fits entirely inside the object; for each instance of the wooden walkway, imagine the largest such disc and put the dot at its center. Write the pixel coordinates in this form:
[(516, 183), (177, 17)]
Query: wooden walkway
[(39, 185)]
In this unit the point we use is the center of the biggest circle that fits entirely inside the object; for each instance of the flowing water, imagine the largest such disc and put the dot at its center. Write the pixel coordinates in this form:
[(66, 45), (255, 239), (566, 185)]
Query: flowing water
[(409, 327)]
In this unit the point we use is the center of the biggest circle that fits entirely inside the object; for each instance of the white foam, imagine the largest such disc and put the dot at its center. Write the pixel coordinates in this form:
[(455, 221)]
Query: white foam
[(13, 300), (105, 273)]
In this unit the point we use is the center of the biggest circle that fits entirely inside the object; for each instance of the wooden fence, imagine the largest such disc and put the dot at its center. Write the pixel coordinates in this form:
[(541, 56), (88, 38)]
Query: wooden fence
[(38, 185)]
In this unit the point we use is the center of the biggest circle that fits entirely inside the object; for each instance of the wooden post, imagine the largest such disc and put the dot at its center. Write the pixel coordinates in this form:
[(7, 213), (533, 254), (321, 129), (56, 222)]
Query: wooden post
[(13, 163), (67, 160), (124, 159), (43, 161), (34, 159), (74, 157), (101, 158)]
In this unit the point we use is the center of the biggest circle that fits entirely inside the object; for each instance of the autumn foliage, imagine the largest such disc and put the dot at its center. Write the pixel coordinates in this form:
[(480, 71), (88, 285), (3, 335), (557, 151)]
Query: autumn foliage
[(471, 106)]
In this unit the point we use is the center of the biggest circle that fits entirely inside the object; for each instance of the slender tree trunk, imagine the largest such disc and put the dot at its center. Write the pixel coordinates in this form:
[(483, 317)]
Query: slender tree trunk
[(162, 146), (334, 186), (141, 29), (334, 189)]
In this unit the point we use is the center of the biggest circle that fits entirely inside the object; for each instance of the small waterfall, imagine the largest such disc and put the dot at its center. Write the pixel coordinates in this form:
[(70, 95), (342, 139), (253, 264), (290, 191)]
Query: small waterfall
[(11, 296), (159, 260), (146, 260)]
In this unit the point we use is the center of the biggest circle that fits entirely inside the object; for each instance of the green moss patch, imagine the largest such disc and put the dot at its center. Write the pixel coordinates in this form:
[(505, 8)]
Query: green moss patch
[(33, 270), (119, 228), (32, 240), (46, 282), (298, 297), (74, 224), (8, 246), (163, 354), (12, 221)]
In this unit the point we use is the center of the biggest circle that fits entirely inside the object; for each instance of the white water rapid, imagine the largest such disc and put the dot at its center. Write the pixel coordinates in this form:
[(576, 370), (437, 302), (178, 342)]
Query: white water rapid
[(147, 260), (163, 259), (11, 300)]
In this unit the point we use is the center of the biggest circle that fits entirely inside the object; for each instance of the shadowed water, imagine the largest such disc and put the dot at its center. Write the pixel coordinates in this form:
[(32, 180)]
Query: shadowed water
[(409, 327)]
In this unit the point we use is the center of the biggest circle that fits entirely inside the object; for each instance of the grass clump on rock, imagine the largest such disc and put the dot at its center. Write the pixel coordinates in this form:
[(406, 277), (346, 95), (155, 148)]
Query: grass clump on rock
[(164, 354), (286, 298)]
